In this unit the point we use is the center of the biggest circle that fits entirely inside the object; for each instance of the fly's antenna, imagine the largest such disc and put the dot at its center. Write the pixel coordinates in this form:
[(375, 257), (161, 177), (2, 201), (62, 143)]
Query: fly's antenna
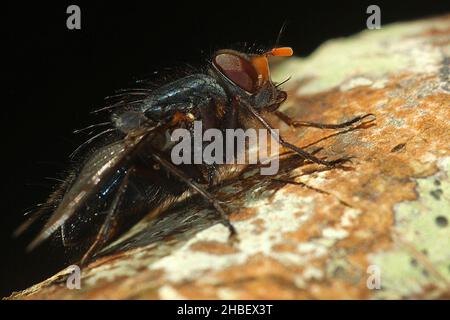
[(280, 33), (283, 82)]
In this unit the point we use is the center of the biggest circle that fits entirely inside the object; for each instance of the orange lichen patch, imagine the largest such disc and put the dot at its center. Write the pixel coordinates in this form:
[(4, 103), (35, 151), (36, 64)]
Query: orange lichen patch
[(358, 259), (194, 291), (361, 239), (434, 32), (259, 225), (285, 247), (268, 279), (257, 266), (243, 214), (338, 290), (213, 247), (326, 215), (308, 231), (257, 279)]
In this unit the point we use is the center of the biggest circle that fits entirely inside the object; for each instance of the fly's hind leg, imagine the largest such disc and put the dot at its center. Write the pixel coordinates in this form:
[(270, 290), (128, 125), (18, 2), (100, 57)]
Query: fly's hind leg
[(172, 169), (296, 123), (108, 226)]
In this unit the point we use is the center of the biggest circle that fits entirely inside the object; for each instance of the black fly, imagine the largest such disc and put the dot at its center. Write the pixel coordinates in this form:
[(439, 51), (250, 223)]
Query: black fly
[(132, 175)]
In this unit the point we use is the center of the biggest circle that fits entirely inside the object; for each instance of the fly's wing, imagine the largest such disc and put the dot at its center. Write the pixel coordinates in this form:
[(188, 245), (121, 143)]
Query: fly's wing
[(94, 176)]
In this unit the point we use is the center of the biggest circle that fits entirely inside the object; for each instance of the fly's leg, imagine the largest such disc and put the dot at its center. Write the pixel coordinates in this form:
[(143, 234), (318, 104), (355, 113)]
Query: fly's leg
[(107, 228), (304, 154), (297, 123), (308, 156), (172, 169)]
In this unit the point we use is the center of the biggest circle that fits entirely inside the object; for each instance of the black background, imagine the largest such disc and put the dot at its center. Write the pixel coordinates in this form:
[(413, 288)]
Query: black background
[(55, 76)]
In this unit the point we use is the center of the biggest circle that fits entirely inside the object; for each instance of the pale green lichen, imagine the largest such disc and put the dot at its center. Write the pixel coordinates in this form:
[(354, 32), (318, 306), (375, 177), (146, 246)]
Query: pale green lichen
[(421, 256), (278, 217), (368, 56)]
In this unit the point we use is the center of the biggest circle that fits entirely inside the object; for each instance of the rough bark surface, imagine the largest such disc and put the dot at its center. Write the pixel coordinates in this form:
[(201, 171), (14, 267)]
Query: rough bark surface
[(317, 239)]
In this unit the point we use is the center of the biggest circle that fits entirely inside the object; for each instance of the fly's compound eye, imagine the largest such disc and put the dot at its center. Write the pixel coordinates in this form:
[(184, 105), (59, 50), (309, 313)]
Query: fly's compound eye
[(237, 69)]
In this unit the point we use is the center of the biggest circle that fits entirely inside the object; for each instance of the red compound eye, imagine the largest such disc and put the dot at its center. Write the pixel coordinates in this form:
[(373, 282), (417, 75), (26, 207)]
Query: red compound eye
[(239, 70)]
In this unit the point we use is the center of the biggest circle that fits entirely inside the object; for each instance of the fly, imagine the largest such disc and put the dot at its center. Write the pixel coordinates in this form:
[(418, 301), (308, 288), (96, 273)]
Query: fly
[(132, 174)]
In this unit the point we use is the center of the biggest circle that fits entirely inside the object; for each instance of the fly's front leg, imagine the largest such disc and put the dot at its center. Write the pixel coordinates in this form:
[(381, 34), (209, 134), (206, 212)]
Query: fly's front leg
[(296, 123), (304, 154), (212, 116)]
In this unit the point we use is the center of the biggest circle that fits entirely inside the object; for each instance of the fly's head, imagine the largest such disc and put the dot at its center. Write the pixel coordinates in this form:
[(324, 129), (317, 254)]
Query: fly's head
[(247, 76)]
